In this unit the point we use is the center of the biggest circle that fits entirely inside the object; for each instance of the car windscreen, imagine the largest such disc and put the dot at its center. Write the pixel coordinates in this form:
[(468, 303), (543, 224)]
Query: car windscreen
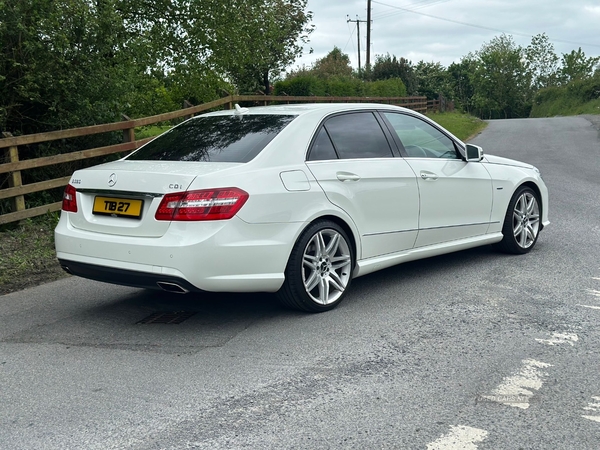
[(215, 139)]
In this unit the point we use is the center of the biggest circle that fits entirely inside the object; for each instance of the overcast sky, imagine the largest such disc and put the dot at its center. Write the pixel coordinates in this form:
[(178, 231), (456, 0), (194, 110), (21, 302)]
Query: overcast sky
[(468, 24)]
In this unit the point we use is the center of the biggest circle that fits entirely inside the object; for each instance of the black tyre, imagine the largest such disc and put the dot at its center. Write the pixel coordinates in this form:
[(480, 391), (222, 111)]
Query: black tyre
[(319, 271), (522, 222)]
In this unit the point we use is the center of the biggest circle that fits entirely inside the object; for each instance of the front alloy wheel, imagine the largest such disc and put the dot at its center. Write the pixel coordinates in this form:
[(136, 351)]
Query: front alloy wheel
[(319, 270), (522, 222)]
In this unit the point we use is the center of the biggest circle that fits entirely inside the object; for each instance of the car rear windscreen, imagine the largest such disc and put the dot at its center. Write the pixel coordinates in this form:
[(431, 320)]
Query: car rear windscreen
[(215, 138)]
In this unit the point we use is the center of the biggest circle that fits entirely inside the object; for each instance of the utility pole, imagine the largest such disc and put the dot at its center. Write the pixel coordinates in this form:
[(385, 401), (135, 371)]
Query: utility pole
[(368, 34), (358, 22)]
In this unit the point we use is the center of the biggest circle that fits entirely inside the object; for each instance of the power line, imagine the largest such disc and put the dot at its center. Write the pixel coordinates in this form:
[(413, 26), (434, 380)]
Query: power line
[(480, 26), (350, 39), (412, 6), (358, 22)]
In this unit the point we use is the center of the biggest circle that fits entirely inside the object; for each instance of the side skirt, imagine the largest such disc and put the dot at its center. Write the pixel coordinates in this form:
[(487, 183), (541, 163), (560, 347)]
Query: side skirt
[(366, 266)]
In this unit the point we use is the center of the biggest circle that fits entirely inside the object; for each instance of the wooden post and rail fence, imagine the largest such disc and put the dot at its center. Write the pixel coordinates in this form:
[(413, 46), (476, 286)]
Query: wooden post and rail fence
[(9, 145)]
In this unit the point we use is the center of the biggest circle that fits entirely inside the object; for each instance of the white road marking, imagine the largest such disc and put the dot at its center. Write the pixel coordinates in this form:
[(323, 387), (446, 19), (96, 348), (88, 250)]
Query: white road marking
[(459, 438), (595, 278), (593, 407), (594, 292), (515, 390), (589, 306), (560, 338)]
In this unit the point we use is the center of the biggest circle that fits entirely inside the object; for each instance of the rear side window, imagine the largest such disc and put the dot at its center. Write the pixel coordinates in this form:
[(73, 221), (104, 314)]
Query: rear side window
[(216, 139), (322, 148), (358, 135)]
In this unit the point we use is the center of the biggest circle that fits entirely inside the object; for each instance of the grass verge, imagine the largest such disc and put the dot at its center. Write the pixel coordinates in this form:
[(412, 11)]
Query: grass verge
[(27, 256), (460, 125)]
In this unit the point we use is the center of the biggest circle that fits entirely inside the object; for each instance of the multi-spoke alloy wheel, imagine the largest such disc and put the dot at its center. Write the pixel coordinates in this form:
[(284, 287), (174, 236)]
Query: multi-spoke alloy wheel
[(522, 223), (319, 270), (526, 220), (326, 266)]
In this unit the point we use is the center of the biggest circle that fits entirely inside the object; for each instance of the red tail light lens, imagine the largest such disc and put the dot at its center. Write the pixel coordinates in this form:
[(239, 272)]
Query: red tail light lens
[(69, 202), (205, 204)]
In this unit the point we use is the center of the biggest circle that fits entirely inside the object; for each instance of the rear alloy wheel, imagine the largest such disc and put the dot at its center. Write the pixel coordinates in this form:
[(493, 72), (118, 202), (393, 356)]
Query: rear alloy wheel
[(522, 222), (319, 270)]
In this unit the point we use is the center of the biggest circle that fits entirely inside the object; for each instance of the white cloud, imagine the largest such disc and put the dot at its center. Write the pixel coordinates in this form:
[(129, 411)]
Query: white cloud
[(416, 37), (593, 9)]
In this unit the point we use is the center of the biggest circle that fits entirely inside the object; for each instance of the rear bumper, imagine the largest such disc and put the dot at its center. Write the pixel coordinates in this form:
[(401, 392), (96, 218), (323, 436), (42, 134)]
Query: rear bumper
[(228, 256), (126, 277)]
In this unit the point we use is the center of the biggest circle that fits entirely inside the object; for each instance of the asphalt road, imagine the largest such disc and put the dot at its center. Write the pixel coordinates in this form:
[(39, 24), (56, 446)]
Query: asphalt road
[(473, 350)]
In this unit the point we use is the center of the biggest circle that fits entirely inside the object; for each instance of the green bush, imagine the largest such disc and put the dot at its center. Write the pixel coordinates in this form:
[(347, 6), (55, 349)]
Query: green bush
[(577, 97), (392, 87), (307, 85), (585, 90)]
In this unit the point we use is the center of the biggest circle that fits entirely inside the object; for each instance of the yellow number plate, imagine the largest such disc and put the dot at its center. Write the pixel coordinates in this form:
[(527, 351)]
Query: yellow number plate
[(118, 206)]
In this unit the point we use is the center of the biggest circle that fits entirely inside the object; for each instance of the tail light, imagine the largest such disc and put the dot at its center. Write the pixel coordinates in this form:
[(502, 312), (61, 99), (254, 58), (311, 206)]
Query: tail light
[(69, 202), (205, 204)]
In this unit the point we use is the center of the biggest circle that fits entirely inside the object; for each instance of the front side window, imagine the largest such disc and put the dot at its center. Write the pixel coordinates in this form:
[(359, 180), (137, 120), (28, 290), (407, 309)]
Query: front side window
[(420, 139), (358, 135), (215, 138)]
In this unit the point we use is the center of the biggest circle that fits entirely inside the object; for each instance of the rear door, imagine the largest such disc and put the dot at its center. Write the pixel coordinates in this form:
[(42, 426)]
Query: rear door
[(353, 162)]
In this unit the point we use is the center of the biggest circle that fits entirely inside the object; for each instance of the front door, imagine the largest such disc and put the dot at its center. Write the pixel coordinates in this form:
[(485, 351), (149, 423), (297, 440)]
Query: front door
[(455, 196)]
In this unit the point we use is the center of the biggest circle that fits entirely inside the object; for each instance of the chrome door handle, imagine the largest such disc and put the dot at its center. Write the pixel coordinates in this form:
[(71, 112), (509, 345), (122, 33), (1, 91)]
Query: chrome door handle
[(429, 176), (347, 176)]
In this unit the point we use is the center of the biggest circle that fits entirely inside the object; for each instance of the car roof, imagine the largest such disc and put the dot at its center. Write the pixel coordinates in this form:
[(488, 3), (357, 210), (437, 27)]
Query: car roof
[(308, 108)]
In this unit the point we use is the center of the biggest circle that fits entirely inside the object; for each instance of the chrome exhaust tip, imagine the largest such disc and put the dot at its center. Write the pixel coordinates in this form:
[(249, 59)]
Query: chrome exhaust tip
[(171, 287)]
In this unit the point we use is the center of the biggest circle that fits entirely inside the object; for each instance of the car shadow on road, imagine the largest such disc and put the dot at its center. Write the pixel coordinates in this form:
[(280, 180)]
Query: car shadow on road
[(107, 316), (214, 319)]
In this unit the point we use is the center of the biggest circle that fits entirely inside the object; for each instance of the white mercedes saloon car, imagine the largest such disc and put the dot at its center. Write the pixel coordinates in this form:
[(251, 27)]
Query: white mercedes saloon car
[(293, 199)]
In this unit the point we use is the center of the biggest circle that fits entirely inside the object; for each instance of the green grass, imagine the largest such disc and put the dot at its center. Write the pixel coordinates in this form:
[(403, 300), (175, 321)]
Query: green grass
[(27, 256), (461, 125)]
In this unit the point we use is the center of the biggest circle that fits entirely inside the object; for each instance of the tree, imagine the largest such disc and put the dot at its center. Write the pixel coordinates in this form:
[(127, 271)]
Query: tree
[(575, 66), (62, 63), (500, 80), (541, 62), (460, 83), (335, 64), (388, 66), (250, 40), (67, 63), (432, 79)]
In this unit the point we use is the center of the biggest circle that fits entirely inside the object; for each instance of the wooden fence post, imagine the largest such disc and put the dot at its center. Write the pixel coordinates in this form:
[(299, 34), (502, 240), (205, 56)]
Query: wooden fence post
[(15, 180), (128, 133), (259, 92), (187, 104), (227, 94)]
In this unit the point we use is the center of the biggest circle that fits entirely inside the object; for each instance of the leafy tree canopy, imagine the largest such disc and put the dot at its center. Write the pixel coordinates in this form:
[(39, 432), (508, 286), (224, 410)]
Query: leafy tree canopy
[(335, 64), (66, 63), (576, 66), (388, 66), (500, 80), (431, 78), (541, 62)]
